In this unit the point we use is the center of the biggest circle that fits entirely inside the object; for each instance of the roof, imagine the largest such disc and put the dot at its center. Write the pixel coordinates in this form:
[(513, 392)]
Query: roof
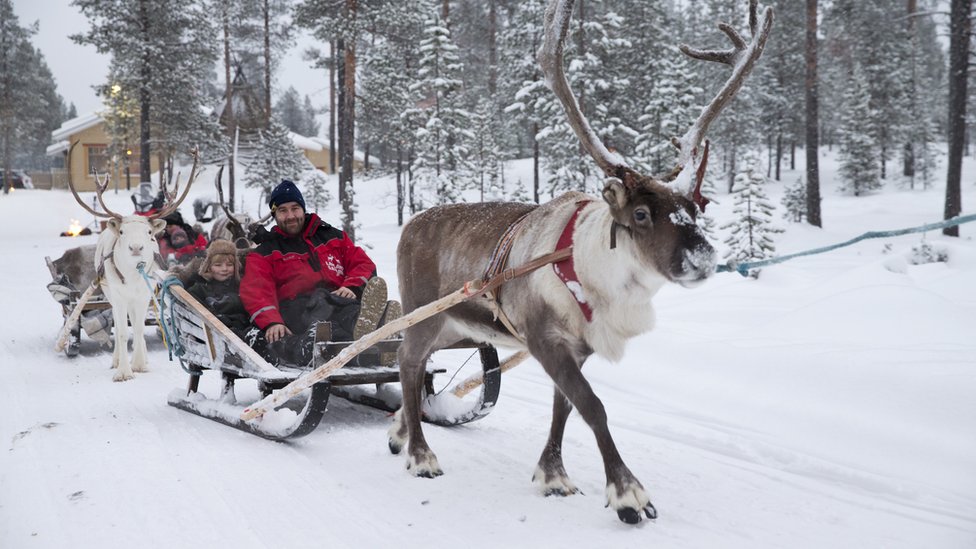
[(75, 125)]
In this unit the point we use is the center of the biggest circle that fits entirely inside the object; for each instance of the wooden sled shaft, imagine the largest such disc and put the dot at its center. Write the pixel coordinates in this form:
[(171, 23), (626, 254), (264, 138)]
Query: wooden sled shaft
[(73, 318)]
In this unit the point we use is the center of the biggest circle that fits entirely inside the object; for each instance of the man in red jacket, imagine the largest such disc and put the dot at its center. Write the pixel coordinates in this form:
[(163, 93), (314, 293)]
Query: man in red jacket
[(303, 272)]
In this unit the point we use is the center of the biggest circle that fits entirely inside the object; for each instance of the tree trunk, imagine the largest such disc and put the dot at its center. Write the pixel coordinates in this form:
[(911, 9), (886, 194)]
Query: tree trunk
[(347, 128), (6, 111), (267, 65), (332, 106), (399, 184), (535, 162), (492, 48), (812, 118), (960, 29), (145, 99), (229, 108), (779, 154)]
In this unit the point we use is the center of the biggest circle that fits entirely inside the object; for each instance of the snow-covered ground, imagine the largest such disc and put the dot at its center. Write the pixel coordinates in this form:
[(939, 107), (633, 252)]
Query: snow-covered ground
[(830, 403)]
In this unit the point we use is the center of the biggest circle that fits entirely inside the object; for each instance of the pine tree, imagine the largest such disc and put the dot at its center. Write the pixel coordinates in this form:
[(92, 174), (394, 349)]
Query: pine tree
[(750, 236), (162, 51), (297, 116), (858, 171), (487, 155), (30, 108), (276, 159), (317, 195), (671, 108), (795, 201), (521, 82), (443, 127)]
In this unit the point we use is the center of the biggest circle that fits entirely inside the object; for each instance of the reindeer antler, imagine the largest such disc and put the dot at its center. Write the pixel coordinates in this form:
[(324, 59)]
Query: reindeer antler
[(742, 57), (100, 186), (550, 57), (171, 205)]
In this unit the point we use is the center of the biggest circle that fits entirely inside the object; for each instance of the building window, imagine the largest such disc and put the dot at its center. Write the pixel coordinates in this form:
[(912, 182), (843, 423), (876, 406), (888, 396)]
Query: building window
[(98, 160)]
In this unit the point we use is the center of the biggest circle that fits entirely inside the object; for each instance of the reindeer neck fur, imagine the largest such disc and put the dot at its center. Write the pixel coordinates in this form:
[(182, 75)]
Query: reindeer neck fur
[(617, 287), (117, 264)]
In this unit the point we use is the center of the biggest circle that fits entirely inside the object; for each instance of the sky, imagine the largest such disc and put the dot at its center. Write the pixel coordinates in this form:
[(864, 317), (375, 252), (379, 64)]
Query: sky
[(77, 68)]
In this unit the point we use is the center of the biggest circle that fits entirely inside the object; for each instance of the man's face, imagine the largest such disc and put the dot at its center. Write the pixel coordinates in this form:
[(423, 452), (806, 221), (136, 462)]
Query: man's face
[(290, 218)]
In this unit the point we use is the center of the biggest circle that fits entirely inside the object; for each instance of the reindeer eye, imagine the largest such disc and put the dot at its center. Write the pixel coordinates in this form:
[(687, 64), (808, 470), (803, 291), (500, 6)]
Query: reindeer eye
[(641, 215)]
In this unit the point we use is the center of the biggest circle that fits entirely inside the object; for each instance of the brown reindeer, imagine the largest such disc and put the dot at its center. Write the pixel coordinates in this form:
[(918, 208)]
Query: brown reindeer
[(127, 245), (625, 246), (236, 227)]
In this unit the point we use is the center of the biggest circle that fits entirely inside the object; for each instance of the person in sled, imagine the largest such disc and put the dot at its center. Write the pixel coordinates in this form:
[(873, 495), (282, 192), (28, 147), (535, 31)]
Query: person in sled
[(217, 286), (180, 243), (305, 272)]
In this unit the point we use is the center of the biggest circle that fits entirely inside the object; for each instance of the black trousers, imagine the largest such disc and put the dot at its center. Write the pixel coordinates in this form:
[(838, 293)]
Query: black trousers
[(301, 315)]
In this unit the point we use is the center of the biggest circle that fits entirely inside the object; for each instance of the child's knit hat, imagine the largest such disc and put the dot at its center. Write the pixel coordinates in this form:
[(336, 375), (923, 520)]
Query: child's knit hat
[(217, 249)]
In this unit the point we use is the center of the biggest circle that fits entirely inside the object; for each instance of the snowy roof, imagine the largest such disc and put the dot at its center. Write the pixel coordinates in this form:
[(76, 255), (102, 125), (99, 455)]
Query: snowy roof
[(307, 143), (57, 148), (74, 126)]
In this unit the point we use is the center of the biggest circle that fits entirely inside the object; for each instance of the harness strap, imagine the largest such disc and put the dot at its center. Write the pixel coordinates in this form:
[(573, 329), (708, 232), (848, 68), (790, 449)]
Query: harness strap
[(565, 268), (496, 264)]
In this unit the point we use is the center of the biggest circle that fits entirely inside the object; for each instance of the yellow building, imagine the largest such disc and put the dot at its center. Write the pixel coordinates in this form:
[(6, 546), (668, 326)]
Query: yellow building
[(83, 144)]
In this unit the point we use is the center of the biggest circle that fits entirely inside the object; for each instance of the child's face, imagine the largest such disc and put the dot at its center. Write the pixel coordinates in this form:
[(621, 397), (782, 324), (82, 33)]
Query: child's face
[(222, 269)]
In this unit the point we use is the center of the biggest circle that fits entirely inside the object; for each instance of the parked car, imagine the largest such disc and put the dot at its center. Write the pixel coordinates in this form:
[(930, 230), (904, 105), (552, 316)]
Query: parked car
[(20, 179)]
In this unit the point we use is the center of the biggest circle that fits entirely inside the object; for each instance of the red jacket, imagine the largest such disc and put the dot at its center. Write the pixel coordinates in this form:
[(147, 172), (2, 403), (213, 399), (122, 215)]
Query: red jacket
[(284, 267)]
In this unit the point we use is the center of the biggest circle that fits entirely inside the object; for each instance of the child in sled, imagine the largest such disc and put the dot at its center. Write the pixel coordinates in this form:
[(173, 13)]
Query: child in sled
[(217, 286)]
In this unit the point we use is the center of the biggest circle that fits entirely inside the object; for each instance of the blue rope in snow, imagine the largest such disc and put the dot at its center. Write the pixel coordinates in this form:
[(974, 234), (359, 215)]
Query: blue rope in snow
[(744, 268)]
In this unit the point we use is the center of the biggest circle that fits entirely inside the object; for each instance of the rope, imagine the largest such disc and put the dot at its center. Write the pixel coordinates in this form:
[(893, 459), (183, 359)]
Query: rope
[(168, 323), (744, 268)]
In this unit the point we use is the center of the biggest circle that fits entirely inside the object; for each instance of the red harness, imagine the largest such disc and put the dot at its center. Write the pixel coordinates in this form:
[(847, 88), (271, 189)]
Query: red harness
[(566, 270)]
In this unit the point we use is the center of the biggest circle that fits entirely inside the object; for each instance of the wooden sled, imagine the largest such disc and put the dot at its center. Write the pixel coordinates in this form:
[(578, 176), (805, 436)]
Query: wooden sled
[(205, 344), (81, 301)]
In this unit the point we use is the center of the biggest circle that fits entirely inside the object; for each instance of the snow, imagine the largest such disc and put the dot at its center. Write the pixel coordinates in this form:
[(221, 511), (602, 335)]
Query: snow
[(830, 403)]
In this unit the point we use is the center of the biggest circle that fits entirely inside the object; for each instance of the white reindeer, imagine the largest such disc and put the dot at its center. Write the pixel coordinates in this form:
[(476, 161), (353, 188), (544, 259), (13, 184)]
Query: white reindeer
[(127, 244)]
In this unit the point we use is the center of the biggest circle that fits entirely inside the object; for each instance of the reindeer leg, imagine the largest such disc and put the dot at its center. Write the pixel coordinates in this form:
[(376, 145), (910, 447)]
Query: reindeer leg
[(120, 357), (550, 474), (625, 494), (407, 429), (138, 316)]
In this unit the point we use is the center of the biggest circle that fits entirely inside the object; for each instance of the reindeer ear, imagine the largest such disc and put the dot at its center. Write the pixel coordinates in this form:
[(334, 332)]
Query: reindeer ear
[(158, 225), (114, 224), (614, 193)]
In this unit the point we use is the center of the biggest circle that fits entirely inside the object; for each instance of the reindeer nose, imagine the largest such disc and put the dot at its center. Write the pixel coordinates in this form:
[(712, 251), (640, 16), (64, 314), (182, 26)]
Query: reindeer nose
[(136, 249)]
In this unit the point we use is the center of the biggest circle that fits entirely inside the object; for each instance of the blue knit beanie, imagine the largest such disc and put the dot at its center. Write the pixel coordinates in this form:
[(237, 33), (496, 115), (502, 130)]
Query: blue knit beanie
[(285, 192)]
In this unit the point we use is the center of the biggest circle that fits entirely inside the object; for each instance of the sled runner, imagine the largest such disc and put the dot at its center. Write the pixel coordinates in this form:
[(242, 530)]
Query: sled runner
[(204, 344)]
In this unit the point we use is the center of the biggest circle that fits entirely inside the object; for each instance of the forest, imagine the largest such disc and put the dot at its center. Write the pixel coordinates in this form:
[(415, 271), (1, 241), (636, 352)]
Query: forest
[(444, 91)]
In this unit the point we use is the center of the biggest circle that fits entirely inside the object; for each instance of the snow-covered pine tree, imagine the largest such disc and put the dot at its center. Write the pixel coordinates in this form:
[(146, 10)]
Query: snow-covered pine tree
[(795, 201), (162, 52), (30, 107), (276, 159), (296, 115), (317, 195), (751, 230), (859, 169), (521, 82), (597, 76), (670, 109), (442, 161), (487, 154)]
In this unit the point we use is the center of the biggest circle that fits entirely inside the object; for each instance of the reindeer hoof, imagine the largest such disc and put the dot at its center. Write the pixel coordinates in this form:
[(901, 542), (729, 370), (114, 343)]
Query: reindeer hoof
[(395, 446), (427, 467), (633, 516), (122, 376)]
